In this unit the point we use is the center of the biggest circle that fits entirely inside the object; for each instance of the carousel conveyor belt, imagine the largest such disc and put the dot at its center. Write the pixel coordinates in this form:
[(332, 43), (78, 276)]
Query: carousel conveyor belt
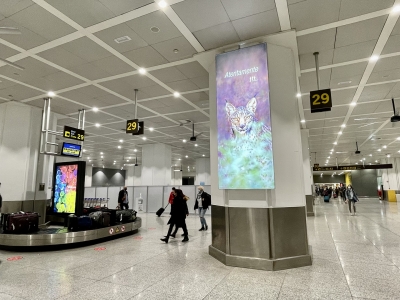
[(56, 237)]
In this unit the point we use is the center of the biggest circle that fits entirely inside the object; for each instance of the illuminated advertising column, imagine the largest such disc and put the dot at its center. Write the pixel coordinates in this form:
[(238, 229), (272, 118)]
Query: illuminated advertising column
[(245, 159), (258, 210)]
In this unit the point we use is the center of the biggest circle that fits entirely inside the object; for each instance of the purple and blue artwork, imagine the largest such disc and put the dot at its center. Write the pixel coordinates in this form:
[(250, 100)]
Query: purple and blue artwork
[(245, 158)]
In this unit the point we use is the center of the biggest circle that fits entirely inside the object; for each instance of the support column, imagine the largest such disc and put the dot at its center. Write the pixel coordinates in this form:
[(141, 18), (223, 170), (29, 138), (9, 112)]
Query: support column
[(22, 167), (264, 229), (88, 175), (308, 178), (133, 176), (203, 172), (156, 164), (176, 178)]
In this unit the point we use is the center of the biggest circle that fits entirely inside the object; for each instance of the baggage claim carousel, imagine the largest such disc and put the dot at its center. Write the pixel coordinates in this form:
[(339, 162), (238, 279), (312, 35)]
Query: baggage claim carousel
[(61, 238)]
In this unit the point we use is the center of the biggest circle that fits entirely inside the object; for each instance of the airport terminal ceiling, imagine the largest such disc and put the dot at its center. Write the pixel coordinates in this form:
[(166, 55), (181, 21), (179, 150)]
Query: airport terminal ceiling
[(93, 54)]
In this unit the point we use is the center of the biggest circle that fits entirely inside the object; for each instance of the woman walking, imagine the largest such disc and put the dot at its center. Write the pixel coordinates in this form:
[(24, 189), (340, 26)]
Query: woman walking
[(179, 212), (351, 197), (203, 201)]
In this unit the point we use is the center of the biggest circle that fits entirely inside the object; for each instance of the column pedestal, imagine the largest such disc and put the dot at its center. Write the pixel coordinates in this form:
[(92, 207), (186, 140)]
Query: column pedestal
[(260, 238)]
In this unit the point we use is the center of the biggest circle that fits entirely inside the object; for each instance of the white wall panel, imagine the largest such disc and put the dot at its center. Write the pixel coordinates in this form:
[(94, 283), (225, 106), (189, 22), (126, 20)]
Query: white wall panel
[(154, 198)]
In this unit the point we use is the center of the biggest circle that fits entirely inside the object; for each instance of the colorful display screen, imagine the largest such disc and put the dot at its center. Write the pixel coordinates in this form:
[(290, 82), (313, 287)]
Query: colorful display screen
[(245, 158), (69, 149), (65, 188)]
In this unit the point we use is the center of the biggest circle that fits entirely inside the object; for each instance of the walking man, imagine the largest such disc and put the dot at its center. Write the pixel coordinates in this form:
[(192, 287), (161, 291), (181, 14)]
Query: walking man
[(123, 198)]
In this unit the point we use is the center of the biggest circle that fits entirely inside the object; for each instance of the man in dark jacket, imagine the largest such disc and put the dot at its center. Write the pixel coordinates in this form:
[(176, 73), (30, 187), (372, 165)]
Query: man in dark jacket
[(123, 201), (203, 201)]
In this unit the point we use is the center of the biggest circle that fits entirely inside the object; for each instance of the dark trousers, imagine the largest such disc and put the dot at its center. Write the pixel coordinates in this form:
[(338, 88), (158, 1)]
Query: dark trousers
[(124, 205), (171, 226), (354, 205)]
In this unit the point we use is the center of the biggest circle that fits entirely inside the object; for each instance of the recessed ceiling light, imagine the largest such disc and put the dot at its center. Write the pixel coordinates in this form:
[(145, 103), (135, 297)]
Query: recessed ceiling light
[(135, 150), (379, 150), (101, 153), (97, 125), (90, 160), (142, 71), (370, 155), (388, 155), (121, 141), (303, 121), (353, 104), (51, 94), (398, 139), (155, 29), (162, 4), (127, 160), (195, 145), (344, 82), (298, 95), (144, 138), (184, 141), (129, 157), (179, 159), (396, 9), (356, 163), (186, 156), (176, 51), (119, 147), (340, 132), (84, 150), (204, 155), (151, 129), (331, 149), (122, 39), (113, 163), (95, 109), (102, 156), (335, 143), (176, 94), (343, 125), (384, 147), (374, 58)]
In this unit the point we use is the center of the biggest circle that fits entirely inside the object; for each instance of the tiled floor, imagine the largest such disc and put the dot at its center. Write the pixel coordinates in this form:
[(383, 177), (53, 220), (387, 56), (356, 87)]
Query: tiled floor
[(355, 257)]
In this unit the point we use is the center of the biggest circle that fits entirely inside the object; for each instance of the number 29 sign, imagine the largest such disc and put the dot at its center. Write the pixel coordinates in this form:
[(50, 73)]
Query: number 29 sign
[(320, 100), (132, 126)]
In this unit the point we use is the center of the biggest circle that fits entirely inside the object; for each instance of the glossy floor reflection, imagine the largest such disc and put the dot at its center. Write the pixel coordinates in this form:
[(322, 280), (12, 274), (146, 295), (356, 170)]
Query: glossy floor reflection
[(355, 257)]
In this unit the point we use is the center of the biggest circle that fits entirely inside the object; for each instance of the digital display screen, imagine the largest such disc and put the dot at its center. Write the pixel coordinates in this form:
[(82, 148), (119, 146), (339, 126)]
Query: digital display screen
[(69, 149), (245, 158), (65, 188)]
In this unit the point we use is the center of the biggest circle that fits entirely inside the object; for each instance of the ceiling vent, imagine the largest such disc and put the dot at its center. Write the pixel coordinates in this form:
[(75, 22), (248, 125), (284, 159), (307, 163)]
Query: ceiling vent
[(122, 39)]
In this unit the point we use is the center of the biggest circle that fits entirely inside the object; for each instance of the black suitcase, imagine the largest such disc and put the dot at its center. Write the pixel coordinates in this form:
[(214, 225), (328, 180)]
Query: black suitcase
[(161, 211), (100, 219), (125, 216), (72, 223), (113, 215)]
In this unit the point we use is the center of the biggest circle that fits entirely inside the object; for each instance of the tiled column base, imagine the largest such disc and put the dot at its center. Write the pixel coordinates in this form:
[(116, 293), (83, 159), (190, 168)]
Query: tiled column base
[(310, 205), (260, 238)]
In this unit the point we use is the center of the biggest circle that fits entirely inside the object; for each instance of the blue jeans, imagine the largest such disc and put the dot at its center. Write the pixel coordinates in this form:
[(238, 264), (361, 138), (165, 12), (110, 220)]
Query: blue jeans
[(202, 212)]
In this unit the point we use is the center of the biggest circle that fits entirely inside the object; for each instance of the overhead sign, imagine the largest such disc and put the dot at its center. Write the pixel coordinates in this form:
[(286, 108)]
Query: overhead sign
[(141, 128), (132, 126), (74, 133), (320, 100), (69, 149), (353, 167)]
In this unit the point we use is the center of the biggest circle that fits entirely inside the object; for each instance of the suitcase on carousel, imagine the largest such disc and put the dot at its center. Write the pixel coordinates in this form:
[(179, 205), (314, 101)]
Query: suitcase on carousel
[(72, 223), (85, 223), (126, 216), (21, 222), (113, 215), (326, 198), (100, 219)]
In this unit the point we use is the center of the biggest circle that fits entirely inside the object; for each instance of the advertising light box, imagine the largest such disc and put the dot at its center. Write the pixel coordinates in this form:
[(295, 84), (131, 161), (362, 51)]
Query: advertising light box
[(245, 158), (68, 187)]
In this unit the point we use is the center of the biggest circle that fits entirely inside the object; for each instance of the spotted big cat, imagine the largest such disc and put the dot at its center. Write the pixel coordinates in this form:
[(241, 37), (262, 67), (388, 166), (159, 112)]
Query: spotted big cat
[(243, 122)]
